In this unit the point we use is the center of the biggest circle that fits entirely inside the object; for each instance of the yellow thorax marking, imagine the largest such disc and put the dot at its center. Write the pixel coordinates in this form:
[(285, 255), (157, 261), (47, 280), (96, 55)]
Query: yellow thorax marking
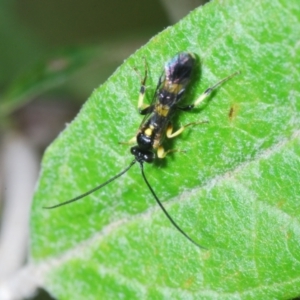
[(162, 110), (149, 130), (173, 88)]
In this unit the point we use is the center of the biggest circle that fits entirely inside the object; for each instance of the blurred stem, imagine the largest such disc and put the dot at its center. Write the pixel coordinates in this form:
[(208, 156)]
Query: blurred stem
[(20, 170)]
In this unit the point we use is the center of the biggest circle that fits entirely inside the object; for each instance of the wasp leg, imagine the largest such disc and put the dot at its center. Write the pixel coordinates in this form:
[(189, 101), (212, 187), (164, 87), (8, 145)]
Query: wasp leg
[(147, 110), (206, 93), (170, 134), (130, 142), (161, 153), (142, 107)]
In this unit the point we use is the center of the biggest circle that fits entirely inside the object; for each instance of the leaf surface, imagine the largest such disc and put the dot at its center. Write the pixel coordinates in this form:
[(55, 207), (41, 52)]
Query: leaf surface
[(235, 188)]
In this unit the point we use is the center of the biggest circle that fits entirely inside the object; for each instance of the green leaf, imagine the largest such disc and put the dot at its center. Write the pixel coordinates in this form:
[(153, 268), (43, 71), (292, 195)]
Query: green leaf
[(235, 189)]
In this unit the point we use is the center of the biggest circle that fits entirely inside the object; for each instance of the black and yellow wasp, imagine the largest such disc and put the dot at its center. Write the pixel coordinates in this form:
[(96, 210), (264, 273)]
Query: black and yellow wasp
[(170, 90)]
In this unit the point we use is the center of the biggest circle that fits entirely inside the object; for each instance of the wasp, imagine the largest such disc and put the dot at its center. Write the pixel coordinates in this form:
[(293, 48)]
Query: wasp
[(156, 125)]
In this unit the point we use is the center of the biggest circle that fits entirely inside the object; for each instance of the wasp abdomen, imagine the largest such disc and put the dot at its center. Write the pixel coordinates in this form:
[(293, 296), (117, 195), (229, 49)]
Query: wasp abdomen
[(179, 69)]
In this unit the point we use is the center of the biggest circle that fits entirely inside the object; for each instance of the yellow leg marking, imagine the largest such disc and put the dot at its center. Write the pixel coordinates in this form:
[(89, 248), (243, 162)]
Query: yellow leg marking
[(201, 98), (170, 134), (130, 142), (161, 153), (141, 104), (210, 89)]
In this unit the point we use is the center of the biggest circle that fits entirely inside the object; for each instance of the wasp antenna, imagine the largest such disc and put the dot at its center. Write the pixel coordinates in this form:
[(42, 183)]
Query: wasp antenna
[(94, 189), (165, 211)]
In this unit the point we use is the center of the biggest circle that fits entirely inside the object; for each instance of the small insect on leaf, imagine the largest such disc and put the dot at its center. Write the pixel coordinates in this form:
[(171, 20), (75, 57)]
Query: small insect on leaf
[(156, 125)]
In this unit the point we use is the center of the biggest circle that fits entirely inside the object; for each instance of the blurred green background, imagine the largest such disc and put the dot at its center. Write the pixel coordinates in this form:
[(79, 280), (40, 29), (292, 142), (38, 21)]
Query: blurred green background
[(32, 30)]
